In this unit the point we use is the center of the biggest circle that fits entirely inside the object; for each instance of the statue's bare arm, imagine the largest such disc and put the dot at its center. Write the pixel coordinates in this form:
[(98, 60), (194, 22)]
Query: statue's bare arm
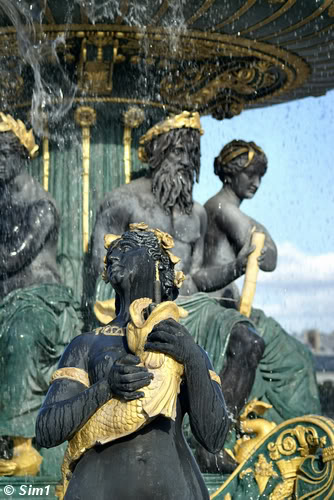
[(190, 285), (25, 242), (69, 403), (200, 391), (237, 226), (204, 393), (212, 278)]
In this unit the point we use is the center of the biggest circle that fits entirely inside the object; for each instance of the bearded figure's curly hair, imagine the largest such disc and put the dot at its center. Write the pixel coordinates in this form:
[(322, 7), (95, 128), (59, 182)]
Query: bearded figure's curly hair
[(158, 147)]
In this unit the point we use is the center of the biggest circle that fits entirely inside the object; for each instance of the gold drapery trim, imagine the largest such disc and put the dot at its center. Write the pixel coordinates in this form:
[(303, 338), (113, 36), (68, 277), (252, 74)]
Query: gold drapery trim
[(71, 373)]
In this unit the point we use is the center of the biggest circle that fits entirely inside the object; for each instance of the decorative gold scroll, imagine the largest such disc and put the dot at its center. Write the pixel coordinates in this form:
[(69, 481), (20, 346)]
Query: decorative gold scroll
[(85, 116)]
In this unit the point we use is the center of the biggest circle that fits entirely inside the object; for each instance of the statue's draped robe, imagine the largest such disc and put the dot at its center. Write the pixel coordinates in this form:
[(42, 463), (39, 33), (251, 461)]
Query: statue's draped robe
[(285, 376), (36, 324)]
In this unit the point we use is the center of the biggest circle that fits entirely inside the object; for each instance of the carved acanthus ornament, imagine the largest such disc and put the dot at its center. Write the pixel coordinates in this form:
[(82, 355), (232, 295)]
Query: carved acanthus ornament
[(294, 461), (263, 471)]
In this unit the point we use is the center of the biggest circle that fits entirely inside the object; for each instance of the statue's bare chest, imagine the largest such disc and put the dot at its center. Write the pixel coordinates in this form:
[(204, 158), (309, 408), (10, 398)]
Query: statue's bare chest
[(183, 228)]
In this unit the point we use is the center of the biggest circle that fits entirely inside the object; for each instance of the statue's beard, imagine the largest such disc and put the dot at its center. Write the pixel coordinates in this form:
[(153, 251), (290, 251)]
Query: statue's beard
[(172, 185)]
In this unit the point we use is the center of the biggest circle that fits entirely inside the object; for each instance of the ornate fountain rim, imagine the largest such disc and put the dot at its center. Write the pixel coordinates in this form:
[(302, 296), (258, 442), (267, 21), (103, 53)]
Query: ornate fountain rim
[(254, 73)]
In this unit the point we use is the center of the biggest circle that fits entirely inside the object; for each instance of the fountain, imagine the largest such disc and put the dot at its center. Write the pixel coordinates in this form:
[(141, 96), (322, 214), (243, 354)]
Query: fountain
[(92, 76)]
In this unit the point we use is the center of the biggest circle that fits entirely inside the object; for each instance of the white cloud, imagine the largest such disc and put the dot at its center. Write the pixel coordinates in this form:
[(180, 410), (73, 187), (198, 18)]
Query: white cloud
[(300, 292), (295, 267)]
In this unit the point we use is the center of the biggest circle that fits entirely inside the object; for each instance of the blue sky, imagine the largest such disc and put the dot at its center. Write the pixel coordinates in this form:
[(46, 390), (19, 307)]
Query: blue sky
[(295, 202)]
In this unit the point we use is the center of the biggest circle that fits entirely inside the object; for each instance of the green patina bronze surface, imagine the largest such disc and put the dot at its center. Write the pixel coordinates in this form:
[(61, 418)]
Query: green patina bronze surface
[(36, 324), (285, 377)]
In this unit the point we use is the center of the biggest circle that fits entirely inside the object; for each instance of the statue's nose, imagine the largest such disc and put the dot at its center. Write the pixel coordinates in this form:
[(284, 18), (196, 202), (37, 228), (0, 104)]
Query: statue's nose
[(185, 159)]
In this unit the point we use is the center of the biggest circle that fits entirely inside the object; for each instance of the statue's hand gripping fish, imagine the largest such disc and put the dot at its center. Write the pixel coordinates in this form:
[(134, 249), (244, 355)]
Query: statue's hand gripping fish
[(118, 418)]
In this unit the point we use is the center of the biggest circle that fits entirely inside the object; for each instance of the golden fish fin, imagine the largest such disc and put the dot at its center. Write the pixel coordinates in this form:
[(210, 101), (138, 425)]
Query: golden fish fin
[(164, 397)]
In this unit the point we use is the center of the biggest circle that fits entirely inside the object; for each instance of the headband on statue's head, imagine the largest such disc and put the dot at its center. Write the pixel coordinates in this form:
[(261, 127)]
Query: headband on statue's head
[(237, 148), (166, 242), (8, 124), (186, 119)]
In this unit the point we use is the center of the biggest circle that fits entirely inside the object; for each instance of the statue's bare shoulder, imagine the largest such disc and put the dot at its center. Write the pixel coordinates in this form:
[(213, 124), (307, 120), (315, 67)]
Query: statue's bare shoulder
[(229, 220), (29, 189), (127, 194)]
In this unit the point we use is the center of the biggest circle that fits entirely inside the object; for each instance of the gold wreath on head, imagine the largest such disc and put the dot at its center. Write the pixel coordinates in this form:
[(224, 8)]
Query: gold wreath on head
[(165, 239), (18, 128), (166, 242), (231, 153), (109, 239), (186, 119)]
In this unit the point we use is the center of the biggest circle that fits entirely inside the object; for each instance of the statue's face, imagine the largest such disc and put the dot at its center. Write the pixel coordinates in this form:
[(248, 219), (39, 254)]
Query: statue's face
[(180, 153), (247, 182), (173, 179), (10, 166), (129, 264)]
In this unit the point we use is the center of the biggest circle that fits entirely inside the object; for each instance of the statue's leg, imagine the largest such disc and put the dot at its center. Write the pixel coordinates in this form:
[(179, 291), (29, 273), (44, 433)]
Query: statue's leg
[(243, 354)]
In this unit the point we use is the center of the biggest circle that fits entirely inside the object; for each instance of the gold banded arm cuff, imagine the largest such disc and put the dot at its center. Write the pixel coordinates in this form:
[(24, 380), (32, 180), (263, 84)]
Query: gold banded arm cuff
[(215, 377), (71, 373)]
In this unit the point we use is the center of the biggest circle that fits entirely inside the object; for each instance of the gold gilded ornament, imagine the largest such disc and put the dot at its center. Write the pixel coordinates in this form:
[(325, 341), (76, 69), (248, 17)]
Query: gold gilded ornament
[(183, 120), (179, 278), (26, 460), (166, 240), (263, 471), (105, 310), (133, 117), (215, 377), (8, 124), (231, 153), (328, 454), (109, 239), (258, 426), (71, 373), (138, 226)]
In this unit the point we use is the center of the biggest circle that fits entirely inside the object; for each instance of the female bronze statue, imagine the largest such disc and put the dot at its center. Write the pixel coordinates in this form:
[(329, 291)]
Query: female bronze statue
[(99, 371), (283, 375), (240, 166)]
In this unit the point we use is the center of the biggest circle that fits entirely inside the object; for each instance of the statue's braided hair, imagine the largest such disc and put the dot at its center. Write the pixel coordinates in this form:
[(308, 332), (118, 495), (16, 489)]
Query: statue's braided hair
[(148, 240), (237, 155)]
